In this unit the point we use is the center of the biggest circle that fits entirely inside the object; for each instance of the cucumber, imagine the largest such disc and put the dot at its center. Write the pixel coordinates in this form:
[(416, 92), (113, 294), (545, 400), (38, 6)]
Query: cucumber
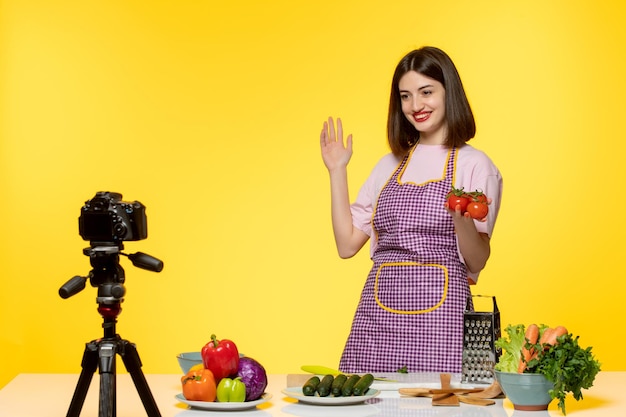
[(335, 388), (348, 386), (323, 388), (310, 386), (363, 384)]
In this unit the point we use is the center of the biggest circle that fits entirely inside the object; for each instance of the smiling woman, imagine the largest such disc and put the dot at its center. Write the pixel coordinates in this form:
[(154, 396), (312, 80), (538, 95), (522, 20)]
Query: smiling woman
[(424, 252)]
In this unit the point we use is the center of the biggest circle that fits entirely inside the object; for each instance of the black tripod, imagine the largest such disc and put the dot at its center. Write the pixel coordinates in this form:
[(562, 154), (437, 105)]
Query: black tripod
[(100, 354)]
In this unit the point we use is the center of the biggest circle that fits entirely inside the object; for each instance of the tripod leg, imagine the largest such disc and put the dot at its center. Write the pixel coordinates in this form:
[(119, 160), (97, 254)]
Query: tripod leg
[(89, 366), (108, 406), (130, 356)]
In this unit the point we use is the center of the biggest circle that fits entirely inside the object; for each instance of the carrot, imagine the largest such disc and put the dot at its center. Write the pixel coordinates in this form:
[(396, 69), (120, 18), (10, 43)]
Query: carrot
[(531, 336), (550, 340), (547, 334)]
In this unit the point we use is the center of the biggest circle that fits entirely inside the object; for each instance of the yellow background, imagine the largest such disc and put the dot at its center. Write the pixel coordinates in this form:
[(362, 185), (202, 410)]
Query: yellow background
[(209, 114)]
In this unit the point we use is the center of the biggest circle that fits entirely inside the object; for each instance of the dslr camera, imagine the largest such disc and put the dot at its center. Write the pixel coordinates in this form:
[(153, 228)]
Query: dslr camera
[(107, 222), (106, 218)]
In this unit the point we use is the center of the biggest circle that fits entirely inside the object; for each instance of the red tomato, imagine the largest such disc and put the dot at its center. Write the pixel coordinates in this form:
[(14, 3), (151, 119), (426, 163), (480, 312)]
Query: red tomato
[(477, 210), (480, 197), (456, 200)]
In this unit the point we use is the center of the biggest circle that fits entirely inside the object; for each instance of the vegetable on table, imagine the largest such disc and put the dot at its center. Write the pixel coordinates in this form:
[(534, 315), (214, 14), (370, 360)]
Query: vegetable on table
[(197, 367), (221, 357), (231, 390), (254, 377), (335, 388), (348, 386), (310, 386), (363, 384), (199, 385), (339, 386), (550, 336), (528, 348), (323, 388), (558, 356)]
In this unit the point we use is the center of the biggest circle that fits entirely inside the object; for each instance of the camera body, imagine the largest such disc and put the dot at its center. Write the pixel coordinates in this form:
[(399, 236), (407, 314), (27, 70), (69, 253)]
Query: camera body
[(106, 218)]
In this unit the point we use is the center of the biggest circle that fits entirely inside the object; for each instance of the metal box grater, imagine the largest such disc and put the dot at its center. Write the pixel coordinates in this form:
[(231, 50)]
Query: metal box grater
[(480, 331)]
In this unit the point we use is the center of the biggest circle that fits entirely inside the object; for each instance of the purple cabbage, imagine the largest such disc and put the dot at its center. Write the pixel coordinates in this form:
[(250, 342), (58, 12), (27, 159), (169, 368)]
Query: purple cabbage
[(253, 376)]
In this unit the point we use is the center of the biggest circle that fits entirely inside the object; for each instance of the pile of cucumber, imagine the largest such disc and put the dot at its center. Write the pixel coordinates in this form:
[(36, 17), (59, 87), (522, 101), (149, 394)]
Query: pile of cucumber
[(339, 386)]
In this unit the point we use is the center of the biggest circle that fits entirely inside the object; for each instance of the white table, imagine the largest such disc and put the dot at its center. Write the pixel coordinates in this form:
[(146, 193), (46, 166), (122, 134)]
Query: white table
[(49, 395)]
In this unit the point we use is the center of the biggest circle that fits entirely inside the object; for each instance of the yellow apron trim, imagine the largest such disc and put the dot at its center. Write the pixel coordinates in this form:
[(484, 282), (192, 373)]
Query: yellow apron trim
[(428, 310), (456, 159)]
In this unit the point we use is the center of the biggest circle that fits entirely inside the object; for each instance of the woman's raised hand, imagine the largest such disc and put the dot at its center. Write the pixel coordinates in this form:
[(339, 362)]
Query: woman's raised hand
[(334, 153)]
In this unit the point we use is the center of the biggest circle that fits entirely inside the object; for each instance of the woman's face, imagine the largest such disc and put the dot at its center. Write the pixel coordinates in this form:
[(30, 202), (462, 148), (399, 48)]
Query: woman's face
[(424, 105)]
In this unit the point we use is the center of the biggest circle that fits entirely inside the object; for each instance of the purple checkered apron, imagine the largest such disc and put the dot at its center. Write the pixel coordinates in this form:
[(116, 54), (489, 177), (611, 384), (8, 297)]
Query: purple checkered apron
[(411, 308)]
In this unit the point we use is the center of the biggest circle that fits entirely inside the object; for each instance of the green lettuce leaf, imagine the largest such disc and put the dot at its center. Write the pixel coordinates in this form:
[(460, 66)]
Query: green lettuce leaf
[(511, 346)]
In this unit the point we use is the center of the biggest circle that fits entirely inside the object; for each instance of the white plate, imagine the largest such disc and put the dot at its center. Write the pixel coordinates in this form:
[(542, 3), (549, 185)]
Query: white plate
[(296, 392), (234, 406)]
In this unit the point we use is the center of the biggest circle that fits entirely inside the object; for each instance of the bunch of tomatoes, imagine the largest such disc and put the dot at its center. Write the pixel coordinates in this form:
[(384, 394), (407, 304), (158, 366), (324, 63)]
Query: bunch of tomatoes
[(473, 203)]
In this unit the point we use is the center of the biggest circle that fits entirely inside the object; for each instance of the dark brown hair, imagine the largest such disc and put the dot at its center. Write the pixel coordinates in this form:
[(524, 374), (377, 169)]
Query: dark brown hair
[(433, 63)]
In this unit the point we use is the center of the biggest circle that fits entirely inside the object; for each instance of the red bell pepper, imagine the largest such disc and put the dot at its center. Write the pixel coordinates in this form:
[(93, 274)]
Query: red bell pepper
[(221, 357)]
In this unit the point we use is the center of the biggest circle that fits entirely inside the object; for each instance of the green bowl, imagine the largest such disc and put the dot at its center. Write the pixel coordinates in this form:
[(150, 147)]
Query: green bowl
[(188, 359), (527, 392)]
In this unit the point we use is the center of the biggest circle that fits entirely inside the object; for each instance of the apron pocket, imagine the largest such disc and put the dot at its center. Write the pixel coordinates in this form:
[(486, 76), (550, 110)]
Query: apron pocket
[(410, 287)]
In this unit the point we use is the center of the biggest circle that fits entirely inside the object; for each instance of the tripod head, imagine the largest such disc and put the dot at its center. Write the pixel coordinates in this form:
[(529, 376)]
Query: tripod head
[(107, 221), (107, 273)]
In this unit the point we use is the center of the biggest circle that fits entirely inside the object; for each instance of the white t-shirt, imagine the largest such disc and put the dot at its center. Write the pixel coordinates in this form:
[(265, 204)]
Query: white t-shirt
[(474, 171)]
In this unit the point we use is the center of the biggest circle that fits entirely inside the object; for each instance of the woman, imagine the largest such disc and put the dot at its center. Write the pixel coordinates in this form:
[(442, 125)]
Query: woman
[(424, 253)]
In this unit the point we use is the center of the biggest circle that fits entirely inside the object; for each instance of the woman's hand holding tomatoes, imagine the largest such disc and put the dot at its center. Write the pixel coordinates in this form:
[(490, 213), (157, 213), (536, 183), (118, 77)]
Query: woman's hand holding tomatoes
[(474, 204)]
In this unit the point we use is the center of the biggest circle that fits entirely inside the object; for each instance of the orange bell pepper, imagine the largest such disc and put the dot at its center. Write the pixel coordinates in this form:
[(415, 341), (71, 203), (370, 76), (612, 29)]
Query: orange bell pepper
[(199, 385)]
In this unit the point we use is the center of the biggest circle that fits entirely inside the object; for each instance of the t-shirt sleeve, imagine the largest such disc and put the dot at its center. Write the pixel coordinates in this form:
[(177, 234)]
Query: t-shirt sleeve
[(478, 172), (363, 208)]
